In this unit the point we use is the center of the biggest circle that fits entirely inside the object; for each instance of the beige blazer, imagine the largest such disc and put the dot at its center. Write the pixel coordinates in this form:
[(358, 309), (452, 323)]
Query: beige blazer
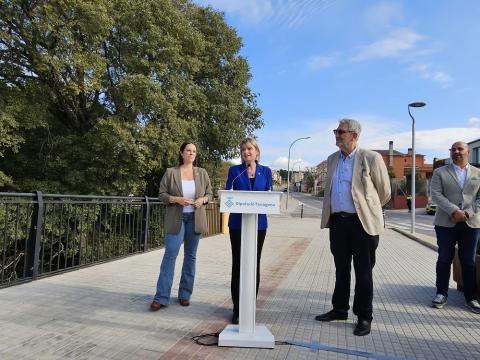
[(171, 185), (449, 196), (370, 189)]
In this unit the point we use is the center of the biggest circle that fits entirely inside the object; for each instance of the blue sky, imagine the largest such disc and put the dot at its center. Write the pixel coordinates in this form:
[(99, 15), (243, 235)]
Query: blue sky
[(316, 61)]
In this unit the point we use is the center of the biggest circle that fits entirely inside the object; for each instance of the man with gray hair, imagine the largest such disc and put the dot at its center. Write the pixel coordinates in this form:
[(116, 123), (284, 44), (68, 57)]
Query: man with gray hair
[(357, 187)]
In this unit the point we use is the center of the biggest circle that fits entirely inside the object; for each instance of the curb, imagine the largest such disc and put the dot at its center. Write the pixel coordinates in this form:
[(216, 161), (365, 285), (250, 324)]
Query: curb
[(428, 241)]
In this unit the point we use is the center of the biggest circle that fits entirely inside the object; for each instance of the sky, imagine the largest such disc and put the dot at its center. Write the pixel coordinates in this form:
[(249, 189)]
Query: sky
[(314, 62)]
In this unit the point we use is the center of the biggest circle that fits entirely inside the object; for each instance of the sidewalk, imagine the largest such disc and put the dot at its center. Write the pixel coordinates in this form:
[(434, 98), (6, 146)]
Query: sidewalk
[(102, 312)]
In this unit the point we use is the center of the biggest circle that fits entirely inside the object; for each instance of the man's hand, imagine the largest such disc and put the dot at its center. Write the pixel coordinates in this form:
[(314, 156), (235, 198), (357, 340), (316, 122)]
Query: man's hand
[(459, 216)]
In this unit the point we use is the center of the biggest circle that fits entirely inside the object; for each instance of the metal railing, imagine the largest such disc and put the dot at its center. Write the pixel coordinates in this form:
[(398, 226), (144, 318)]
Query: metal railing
[(42, 234)]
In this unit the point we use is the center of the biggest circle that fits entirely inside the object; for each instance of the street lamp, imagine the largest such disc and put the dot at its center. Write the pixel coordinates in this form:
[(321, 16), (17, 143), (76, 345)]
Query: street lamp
[(416, 105), (288, 167)]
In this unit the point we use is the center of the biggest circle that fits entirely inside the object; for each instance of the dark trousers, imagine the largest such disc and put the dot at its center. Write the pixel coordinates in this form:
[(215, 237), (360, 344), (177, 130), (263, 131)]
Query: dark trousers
[(235, 241), (467, 239), (349, 240)]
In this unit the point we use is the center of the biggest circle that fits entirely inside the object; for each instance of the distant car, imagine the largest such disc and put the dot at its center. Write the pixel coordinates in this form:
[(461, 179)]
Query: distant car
[(431, 208), (284, 190)]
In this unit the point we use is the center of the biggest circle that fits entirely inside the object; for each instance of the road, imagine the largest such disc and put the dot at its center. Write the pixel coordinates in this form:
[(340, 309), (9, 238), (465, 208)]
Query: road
[(312, 207), (402, 220)]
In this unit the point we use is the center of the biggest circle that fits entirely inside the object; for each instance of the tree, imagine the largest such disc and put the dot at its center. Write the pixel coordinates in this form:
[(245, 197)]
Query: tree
[(310, 176), (101, 94), (9, 139)]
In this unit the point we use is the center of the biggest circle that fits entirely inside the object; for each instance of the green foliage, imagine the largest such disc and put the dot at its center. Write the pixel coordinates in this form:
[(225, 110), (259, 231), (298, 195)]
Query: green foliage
[(309, 179), (95, 97), (391, 172), (420, 185), (283, 174)]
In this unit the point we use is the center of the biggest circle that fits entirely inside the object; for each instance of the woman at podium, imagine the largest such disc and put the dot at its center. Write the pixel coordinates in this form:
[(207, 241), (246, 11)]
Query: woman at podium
[(249, 175), (186, 190)]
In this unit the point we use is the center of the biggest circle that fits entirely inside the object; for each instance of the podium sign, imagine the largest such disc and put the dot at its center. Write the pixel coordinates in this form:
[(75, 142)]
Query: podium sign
[(249, 204)]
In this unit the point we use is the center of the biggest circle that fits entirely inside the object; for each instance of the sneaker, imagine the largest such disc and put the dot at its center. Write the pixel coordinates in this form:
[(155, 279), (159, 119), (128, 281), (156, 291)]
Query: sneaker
[(439, 301), (474, 306)]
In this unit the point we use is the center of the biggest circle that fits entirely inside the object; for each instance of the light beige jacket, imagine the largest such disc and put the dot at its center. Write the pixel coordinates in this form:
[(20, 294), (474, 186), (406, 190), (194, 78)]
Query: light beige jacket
[(370, 189), (449, 196), (171, 185)]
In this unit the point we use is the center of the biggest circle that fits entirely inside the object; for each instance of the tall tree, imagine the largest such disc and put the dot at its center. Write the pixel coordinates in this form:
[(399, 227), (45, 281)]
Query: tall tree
[(101, 93)]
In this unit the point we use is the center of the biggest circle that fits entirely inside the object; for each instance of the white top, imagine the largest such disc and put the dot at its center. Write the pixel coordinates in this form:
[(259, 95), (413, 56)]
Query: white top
[(188, 189)]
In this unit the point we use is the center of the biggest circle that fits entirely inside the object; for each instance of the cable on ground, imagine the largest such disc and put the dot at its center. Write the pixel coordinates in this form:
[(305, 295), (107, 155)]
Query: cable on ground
[(313, 346), (200, 339)]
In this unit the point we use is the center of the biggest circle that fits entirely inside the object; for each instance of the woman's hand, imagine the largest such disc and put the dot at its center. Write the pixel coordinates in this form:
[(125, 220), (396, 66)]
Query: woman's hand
[(182, 201), (199, 202)]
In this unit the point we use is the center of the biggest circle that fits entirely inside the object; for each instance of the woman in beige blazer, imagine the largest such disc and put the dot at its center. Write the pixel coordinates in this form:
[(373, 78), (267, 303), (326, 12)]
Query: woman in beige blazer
[(186, 190)]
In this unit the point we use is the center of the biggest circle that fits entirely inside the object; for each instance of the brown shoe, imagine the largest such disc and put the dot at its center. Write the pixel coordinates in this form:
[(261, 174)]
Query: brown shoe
[(155, 306), (184, 302)]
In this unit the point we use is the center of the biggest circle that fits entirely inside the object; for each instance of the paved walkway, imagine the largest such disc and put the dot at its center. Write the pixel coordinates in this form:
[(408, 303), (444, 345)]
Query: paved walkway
[(102, 312)]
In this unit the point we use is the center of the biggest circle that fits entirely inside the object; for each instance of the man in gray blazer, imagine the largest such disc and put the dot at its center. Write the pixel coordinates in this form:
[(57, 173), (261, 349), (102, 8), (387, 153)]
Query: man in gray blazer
[(357, 187), (455, 189)]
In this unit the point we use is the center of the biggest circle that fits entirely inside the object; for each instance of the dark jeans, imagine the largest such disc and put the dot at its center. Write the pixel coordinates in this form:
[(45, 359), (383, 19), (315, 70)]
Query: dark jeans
[(235, 241), (467, 239), (349, 240)]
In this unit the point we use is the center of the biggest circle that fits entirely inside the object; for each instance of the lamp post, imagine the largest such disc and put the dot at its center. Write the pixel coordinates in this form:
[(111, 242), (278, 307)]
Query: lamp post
[(416, 105), (288, 167)]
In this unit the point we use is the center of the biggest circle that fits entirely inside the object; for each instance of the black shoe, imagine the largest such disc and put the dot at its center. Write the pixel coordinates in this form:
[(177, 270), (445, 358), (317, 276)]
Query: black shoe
[(235, 319), (362, 328), (331, 316)]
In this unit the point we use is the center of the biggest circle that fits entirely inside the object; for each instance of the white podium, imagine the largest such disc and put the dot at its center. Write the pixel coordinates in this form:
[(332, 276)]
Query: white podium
[(249, 204)]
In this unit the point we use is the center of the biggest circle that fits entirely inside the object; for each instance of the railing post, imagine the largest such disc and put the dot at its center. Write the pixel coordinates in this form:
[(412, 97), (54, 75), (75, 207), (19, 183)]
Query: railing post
[(146, 223), (34, 239)]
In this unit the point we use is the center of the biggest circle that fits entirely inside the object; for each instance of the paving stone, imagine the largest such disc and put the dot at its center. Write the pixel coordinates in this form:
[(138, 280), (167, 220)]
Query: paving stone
[(101, 312)]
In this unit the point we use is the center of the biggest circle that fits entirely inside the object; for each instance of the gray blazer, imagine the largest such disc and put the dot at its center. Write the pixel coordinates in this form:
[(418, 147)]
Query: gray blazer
[(370, 189), (171, 185), (449, 196)]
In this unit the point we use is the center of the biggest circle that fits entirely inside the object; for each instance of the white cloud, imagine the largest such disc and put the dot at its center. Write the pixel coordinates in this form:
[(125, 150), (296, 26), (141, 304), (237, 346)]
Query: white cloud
[(295, 163), (426, 72), (376, 134), (403, 44), (432, 143), (288, 13), (236, 161), (474, 121), (397, 44), (248, 10), (316, 63), (384, 15)]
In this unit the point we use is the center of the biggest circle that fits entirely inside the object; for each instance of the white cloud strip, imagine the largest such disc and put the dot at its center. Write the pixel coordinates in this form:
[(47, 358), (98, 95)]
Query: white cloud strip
[(397, 44), (316, 63), (288, 13)]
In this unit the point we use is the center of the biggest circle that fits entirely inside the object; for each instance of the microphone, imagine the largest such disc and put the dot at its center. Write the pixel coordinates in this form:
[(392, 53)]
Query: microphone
[(236, 177)]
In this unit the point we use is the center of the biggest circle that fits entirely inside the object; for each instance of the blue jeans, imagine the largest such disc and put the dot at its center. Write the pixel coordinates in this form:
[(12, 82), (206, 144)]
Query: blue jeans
[(190, 238), (467, 239)]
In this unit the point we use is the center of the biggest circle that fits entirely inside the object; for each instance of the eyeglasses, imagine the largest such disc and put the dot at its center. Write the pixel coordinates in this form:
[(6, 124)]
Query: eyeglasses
[(455, 149), (341, 132)]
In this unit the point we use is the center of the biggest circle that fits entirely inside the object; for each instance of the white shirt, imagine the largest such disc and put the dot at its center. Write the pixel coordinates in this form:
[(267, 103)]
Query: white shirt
[(188, 189), (461, 174)]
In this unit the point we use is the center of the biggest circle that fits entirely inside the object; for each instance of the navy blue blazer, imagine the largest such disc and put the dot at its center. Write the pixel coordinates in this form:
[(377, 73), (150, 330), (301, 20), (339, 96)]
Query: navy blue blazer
[(263, 182)]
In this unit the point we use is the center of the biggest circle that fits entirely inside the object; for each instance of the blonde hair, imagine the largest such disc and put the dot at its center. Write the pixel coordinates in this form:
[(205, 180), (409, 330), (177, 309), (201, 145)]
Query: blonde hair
[(252, 142)]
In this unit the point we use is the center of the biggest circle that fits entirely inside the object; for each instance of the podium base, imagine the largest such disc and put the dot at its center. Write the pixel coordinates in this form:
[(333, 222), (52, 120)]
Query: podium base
[(261, 338)]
